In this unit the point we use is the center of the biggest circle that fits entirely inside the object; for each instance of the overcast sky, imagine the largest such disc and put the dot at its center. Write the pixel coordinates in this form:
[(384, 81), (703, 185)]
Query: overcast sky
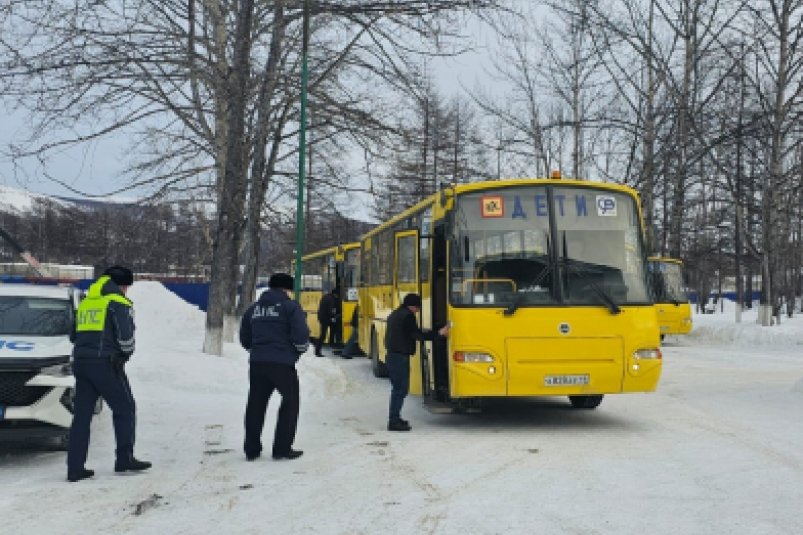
[(96, 167)]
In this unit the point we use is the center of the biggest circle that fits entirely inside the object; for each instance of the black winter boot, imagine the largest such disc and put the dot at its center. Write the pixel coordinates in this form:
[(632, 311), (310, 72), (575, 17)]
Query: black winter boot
[(131, 465), (72, 477), (398, 425)]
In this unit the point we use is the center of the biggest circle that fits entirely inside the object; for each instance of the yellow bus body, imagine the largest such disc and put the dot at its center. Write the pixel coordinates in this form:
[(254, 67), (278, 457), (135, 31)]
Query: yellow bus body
[(536, 351), (321, 271), (674, 315)]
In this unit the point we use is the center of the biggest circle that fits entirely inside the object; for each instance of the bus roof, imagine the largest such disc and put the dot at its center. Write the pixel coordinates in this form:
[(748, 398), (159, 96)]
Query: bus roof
[(665, 260), (329, 250), (496, 184)]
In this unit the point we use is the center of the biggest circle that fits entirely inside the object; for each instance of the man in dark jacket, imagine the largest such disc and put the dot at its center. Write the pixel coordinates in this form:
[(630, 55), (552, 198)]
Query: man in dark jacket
[(401, 338), (329, 319), (274, 331), (103, 335)]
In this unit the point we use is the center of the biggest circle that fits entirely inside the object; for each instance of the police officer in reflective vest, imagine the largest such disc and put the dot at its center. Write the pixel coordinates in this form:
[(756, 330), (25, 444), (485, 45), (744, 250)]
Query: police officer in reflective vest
[(103, 342)]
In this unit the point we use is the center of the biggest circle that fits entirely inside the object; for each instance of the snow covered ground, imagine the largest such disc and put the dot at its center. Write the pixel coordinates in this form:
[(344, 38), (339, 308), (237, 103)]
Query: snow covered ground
[(718, 449)]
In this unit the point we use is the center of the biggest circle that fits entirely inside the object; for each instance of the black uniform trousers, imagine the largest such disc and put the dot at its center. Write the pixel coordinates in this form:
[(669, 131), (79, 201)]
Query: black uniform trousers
[(264, 378), (333, 329), (398, 365), (93, 380)]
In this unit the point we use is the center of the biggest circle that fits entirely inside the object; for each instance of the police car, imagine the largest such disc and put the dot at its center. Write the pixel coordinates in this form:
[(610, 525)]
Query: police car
[(36, 382)]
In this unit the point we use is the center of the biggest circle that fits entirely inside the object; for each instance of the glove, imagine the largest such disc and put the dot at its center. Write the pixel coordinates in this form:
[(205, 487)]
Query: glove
[(118, 363)]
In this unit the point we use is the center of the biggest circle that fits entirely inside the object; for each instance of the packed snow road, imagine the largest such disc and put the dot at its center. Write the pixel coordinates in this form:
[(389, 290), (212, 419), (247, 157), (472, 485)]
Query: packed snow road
[(717, 449)]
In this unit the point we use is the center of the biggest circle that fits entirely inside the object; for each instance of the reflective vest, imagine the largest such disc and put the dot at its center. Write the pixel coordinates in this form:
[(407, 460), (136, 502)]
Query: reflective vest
[(91, 313)]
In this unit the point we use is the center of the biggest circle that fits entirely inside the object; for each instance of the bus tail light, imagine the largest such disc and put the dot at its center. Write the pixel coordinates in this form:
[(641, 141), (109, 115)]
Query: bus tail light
[(468, 356)]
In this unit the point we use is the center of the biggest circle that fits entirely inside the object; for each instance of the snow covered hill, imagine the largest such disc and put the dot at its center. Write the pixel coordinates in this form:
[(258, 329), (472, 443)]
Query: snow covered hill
[(716, 450), (19, 201)]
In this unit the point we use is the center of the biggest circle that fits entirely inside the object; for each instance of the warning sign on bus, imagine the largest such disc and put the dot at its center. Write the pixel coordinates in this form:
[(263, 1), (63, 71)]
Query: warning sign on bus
[(493, 206)]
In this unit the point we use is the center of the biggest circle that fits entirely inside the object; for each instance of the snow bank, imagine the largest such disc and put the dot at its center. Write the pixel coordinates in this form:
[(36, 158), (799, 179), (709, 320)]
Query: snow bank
[(721, 328), (171, 328)]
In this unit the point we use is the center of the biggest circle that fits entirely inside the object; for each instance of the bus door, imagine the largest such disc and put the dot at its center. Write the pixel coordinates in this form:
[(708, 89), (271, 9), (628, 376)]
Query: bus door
[(440, 356), (405, 281)]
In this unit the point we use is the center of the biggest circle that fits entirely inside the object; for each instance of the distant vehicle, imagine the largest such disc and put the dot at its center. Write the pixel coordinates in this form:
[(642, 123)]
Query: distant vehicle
[(36, 382), (671, 301), (333, 267)]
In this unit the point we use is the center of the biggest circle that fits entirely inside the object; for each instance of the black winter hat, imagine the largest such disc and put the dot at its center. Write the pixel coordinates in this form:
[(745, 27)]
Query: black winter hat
[(412, 300), (122, 276), (281, 280)]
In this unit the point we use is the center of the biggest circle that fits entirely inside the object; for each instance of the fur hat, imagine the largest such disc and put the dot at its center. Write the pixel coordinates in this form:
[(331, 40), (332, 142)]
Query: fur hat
[(281, 280), (122, 276), (412, 300)]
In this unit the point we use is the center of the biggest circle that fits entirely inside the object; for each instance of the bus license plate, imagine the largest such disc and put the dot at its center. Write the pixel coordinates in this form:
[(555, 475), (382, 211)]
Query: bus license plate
[(565, 380)]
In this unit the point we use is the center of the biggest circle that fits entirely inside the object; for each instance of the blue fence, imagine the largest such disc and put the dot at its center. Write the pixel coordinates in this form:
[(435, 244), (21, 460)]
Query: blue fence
[(731, 296)]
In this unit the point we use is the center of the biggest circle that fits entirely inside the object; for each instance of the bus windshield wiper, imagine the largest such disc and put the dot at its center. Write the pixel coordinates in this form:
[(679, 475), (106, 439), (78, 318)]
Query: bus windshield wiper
[(602, 294), (514, 305), (519, 299)]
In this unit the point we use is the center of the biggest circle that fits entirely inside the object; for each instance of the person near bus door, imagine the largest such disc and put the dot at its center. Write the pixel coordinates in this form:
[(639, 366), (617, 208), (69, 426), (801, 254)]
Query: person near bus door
[(275, 333), (351, 348), (401, 338), (329, 319), (103, 338)]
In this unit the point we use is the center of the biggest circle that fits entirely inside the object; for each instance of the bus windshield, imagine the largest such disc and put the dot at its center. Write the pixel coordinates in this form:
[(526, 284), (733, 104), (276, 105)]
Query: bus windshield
[(506, 253), (667, 280)]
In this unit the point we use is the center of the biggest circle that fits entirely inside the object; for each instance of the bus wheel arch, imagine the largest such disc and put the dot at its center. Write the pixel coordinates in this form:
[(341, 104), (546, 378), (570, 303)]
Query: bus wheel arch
[(586, 402), (377, 366)]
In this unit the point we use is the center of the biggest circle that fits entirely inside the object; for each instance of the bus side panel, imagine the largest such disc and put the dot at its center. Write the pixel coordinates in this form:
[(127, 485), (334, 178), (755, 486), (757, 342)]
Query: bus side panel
[(347, 310), (379, 305), (674, 319), (309, 304)]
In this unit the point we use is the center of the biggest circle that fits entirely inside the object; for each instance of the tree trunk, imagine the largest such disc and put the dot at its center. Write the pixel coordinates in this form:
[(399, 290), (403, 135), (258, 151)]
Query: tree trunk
[(225, 253)]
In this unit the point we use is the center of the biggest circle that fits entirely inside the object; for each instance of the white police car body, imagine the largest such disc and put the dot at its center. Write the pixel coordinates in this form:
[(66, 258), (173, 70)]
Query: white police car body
[(36, 382)]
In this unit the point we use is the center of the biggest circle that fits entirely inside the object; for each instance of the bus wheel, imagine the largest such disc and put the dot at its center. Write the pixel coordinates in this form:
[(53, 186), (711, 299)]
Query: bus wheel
[(586, 402), (378, 367)]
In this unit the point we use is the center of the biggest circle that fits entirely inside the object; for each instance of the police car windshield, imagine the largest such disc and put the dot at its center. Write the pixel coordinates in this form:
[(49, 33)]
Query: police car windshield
[(503, 250), (34, 316)]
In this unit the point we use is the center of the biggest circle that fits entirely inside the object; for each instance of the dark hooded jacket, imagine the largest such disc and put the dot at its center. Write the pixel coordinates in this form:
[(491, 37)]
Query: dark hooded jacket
[(116, 339), (274, 329)]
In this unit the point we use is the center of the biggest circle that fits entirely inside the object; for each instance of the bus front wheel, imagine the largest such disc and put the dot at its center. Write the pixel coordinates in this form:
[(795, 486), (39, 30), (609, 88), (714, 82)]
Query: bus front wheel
[(586, 402), (377, 366)]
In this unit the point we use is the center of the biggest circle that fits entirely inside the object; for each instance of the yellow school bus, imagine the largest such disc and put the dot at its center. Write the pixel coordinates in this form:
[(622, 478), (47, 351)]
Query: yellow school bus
[(544, 282), (671, 302), (321, 271)]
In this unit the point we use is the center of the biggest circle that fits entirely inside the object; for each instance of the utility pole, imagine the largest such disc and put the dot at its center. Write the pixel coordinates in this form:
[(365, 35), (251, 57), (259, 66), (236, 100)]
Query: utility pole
[(302, 141)]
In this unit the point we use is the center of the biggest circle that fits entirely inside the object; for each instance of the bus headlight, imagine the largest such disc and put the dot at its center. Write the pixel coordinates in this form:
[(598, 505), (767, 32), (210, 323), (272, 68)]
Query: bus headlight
[(470, 356), (652, 354)]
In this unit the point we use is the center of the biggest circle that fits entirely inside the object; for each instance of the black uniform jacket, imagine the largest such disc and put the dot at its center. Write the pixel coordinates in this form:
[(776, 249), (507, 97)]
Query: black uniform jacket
[(274, 329), (403, 332)]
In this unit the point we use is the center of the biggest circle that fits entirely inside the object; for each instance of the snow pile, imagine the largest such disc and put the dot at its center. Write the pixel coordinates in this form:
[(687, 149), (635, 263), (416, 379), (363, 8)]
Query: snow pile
[(169, 327), (721, 328)]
